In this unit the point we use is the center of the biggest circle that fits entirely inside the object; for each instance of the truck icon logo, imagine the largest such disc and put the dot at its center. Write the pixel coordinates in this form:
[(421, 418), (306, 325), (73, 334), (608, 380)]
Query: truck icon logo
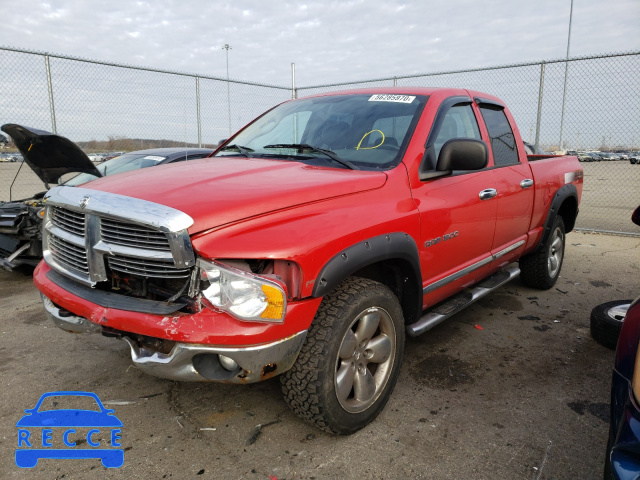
[(69, 433), (85, 201)]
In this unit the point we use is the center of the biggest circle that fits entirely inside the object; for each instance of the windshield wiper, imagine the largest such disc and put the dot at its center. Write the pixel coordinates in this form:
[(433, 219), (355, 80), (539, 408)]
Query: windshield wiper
[(302, 147), (243, 150)]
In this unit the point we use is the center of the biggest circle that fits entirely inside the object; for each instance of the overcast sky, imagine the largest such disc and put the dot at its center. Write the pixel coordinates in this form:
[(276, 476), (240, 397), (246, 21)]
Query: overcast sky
[(329, 41)]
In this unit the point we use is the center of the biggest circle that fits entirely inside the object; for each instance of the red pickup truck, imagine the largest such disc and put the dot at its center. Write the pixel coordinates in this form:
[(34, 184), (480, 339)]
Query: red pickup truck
[(310, 243)]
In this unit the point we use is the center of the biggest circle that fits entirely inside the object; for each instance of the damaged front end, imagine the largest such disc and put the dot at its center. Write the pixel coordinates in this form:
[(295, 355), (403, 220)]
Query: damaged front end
[(132, 264), (191, 362), (21, 232)]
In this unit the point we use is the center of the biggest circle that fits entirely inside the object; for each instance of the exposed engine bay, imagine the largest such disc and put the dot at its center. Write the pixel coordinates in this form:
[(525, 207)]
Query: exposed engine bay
[(21, 232)]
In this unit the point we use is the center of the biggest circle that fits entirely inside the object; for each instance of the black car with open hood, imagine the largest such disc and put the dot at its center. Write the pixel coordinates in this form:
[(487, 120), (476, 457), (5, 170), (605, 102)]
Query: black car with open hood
[(49, 155)]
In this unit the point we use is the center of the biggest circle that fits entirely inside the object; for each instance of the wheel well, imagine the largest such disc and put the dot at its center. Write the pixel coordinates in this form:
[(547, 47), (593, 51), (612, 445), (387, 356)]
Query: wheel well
[(398, 276), (564, 204), (569, 211)]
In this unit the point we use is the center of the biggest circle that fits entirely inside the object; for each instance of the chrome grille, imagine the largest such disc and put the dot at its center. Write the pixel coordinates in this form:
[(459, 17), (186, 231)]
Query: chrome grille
[(68, 220), (132, 235), (146, 267), (69, 255), (87, 233)]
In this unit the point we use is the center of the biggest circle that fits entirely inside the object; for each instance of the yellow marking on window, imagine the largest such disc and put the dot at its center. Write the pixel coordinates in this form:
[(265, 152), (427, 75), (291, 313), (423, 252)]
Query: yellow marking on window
[(365, 136)]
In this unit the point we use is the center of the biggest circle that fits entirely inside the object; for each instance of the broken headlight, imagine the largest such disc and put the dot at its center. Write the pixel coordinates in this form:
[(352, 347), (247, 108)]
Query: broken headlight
[(244, 295)]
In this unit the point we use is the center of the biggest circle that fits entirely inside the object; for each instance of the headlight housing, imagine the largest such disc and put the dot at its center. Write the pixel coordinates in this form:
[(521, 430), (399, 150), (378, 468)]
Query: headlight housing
[(244, 295)]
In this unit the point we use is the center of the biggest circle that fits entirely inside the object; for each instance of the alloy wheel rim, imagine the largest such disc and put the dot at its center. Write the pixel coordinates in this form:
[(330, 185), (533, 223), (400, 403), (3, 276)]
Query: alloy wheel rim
[(365, 360), (554, 260), (618, 312)]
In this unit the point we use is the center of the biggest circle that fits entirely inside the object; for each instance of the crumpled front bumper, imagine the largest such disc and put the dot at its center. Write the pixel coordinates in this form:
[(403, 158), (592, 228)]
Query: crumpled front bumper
[(197, 362)]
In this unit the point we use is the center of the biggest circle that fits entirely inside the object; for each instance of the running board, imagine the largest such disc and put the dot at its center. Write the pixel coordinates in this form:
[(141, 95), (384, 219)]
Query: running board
[(463, 299)]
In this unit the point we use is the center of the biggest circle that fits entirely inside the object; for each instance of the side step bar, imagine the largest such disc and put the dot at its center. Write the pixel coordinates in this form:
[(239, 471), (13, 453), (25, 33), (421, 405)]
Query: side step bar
[(463, 299)]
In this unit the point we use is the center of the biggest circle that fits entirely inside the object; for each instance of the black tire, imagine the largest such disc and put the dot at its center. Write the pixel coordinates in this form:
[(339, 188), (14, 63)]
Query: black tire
[(606, 322), (541, 269), (342, 349)]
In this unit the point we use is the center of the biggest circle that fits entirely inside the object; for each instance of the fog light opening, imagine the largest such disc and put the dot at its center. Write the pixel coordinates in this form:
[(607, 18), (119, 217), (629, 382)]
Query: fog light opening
[(228, 363)]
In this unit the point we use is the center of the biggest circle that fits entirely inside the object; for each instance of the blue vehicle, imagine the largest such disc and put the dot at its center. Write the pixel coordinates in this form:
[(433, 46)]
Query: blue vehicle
[(59, 426), (623, 448)]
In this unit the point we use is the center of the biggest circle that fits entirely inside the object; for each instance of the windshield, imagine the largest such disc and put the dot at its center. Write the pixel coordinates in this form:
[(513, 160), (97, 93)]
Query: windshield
[(365, 131), (68, 402), (123, 163)]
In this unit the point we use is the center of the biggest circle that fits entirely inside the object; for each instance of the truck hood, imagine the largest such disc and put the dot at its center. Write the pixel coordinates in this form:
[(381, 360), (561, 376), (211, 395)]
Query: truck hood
[(50, 156), (221, 190)]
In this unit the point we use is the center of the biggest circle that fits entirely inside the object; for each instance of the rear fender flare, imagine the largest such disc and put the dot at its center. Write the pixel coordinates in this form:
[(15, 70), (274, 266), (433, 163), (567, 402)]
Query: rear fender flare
[(390, 246), (563, 193)]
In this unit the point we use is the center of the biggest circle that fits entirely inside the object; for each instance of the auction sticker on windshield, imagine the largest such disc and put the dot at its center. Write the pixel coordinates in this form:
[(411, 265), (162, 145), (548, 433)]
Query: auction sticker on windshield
[(392, 98), (69, 425)]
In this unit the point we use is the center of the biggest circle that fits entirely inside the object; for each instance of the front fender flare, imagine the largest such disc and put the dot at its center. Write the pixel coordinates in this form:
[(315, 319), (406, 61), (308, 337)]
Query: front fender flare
[(391, 246)]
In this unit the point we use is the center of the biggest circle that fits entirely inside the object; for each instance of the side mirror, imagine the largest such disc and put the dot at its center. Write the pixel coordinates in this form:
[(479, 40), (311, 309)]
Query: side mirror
[(635, 218), (463, 154)]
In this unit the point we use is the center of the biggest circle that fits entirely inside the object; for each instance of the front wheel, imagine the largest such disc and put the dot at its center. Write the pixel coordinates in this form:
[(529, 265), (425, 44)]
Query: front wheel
[(349, 364), (542, 269)]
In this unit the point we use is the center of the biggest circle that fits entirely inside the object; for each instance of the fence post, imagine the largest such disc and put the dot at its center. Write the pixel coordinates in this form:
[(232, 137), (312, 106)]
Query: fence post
[(540, 95), (294, 90), (50, 85), (564, 101), (198, 111)]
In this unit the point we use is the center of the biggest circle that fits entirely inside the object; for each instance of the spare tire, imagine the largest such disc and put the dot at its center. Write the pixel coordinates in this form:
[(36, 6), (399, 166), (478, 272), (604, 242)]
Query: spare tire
[(606, 322)]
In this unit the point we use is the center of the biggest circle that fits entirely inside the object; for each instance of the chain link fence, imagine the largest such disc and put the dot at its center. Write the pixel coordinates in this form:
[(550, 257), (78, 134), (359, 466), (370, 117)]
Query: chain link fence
[(107, 107), (587, 105)]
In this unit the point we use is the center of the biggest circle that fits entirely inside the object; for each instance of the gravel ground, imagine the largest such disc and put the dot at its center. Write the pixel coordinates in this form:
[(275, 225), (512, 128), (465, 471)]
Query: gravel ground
[(512, 387)]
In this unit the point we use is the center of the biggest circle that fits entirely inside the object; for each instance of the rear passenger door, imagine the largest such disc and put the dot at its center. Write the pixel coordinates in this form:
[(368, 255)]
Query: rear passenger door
[(513, 182)]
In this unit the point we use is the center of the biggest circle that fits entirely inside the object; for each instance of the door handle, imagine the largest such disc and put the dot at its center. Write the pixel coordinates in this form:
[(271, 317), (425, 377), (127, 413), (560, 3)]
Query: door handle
[(488, 193), (526, 183)]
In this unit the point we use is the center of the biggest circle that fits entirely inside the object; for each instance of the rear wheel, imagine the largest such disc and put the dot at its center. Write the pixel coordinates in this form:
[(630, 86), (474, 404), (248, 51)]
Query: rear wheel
[(349, 364), (542, 269)]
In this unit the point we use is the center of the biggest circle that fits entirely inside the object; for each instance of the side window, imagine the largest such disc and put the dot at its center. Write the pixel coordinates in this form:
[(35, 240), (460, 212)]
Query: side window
[(193, 156), (198, 155), (503, 142), (459, 122)]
